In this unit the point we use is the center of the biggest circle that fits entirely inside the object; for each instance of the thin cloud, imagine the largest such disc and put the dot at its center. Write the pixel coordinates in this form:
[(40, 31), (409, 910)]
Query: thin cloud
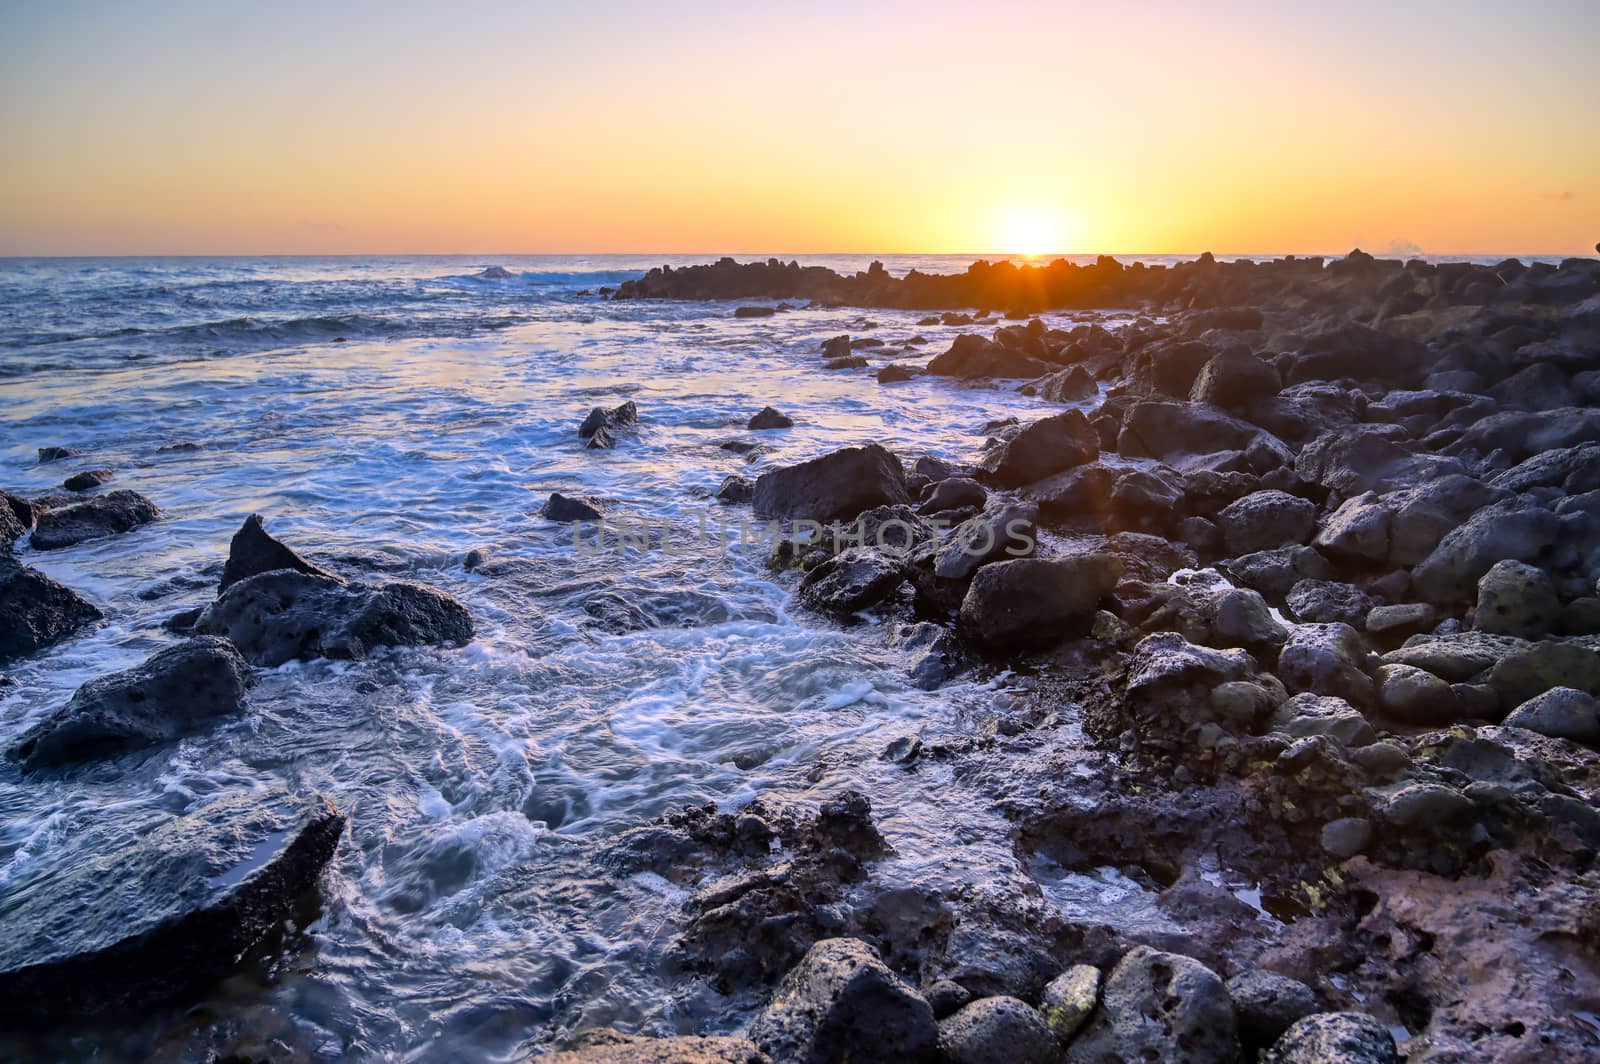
[(1559, 197)]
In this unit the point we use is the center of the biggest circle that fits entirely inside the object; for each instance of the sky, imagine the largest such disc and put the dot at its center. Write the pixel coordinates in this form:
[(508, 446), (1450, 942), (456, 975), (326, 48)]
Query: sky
[(508, 126)]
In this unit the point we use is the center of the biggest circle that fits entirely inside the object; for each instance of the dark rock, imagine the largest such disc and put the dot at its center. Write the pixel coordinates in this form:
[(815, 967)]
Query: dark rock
[(1171, 430), (161, 910), (835, 487), (998, 1028), (769, 418), (836, 347), (1268, 1004), (1234, 379), (754, 312), (601, 427), (1083, 492), (1335, 1038), (736, 489), (253, 551), (1327, 601), (848, 362), (283, 615), (1032, 601), (56, 454), (895, 372), (1515, 529), (1160, 1007), (608, 1046), (1349, 350), (851, 581), (1369, 458), (1275, 572), (87, 480), (972, 356), (1241, 618), (104, 515), (954, 493), (175, 692), (566, 509), (939, 655), (35, 611), (1415, 696), (1560, 713), (1044, 448), (1541, 667), (1515, 598), (1266, 520), (945, 996), (1403, 527), (1401, 620), (1327, 659), (1005, 532), (1067, 386), (842, 1003)]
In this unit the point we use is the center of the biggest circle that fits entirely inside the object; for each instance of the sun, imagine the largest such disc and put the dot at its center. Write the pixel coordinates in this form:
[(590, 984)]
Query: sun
[(1031, 232)]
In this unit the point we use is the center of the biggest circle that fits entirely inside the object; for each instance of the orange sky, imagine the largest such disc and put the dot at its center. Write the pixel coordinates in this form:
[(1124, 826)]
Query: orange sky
[(196, 128)]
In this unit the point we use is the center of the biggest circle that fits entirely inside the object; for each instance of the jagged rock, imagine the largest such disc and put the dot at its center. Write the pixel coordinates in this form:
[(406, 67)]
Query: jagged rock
[(736, 489), (1458, 657), (836, 347), (1414, 696), (1362, 458), (955, 493), (607, 1046), (770, 418), (1032, 601), (939, 658), (253, 552), (175, 692), (850, 581), (1083, 492), (88, 480), (1069, 999), (1275, 572), (1335, 1038), (283, 615), (1268, 1004), (842, 1003), (567, 509), (1327, 601), (1560, 713), (1160, 1007), (1403, 527), (601, 427), (103, 515), (1515, 598), (1046, 447), (141, 913), (35, 611), (835, 487), (1006, 532), (1516, 529), (998, 1028), (1574, 470), (1326, 659), (1170, 430)]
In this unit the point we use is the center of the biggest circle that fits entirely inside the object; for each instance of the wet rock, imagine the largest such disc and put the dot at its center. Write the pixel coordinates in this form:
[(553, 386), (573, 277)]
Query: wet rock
[(1328, 601), (939, 655), (736, 489), (835, 487), (1266, 520), (104, 515), (1160, 1007), (754, 312), (998, 1028), (1346, 837), (1327, 659), (253, 552), (1516, 529), (849, 362), (1069, 999), (1515, 598), (836, 347), (16, 518), (160, 909), (601, 427), (842, 1003), (850, 581), (1044, 448), (56, 454), (607, 1046), (1268, 1004), (567, 509), (173, 693), (1412, 696), (1560, 713), (35, 611), (971, 357), (1335, 1038), (88, 480), (954, 493), (770, 418), (1033, 601), (1234, 379), (896, 372), (1003, 533), (1068, 386), (283, 615)]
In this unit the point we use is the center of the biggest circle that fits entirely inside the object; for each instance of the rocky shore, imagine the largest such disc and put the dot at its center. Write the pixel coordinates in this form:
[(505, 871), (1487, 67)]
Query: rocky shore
[(1301, 589)]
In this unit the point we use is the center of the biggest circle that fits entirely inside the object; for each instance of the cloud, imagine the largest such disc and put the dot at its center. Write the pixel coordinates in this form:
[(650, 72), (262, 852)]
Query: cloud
[(1401, 248), (1559, 197)]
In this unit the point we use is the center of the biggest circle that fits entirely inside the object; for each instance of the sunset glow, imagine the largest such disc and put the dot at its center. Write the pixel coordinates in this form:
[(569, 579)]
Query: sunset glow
[(711, 127)]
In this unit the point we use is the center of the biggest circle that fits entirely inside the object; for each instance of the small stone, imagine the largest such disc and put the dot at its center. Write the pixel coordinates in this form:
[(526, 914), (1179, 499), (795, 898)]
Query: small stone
[(1068, 1000), (998, 1028), (1267, 1004), (1346, 837)]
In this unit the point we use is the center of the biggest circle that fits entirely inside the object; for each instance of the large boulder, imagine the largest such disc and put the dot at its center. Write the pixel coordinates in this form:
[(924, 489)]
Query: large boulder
[(1515, 598), (954, 493), (972, 356), (1415, 696), (1044, 448), (835, 487), (35, 611), (1083, 493), (253, 552), (143, 908), (1515, 529), (769, 418), (1560, 713), (1266, 520), (1403, 527), (103, 515), (1327, 659), (1326, 601), (174, 692), (1004, 532), (1234, 379), (998, 1028), (1160, 1008), (1350, 351), (842, 1003), (1033, 601), (1171, 430), (1518, 435), (1369, 458), (283, 615), (1066, 386), (1335, 1038)]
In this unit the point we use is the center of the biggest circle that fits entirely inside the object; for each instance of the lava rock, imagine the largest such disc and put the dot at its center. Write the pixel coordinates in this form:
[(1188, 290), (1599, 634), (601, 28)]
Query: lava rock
[(1234, 379), (1266, 520), (954, 493), (1335, 1038), (35, 611), (945, 996), (162, 908), (1516, 529), (1160, 1007), (1044, 448), (1327, 602), (173, 693), (736, 489), (253, 552), (1069, 999), (842, 1003), (1068, 386), (284, 615), (1327, 659), (104, 515), (998, 1028), (1515, 598), (1032, 601), (971, 357), (608, 1046), (87, 480), (1413, 696), (1241, 618), (835, 487), (1268, 1004), (567, 509), (1005, 532), (1560, 713), (851, 580), (601, 427), (770, 418)]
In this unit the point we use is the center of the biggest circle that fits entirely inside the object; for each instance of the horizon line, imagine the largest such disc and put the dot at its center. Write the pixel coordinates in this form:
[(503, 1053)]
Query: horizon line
[(975, 255)]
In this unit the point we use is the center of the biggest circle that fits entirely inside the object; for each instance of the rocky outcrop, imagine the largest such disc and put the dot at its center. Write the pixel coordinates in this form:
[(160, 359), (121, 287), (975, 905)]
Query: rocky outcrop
[(253, 552), (835, 487), (601, 429), (769, 418), (145, 913), (35, 611), (284, 615), (175, 692), (103, 515)]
